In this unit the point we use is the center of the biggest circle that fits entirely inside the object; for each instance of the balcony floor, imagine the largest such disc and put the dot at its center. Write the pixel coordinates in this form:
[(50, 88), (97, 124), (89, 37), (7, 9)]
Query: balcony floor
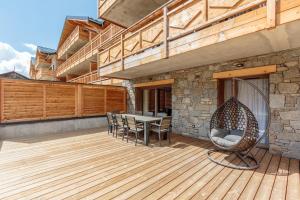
[(90, 164)]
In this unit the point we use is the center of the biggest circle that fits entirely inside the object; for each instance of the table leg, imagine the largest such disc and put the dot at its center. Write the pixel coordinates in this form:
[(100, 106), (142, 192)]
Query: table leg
[(146, 133)]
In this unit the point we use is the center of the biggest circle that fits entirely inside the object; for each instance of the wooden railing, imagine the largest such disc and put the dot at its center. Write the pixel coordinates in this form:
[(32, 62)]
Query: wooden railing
[(87, 78), (176, 20), (90, 49), (73, 37), (26, 100), (42, 60)]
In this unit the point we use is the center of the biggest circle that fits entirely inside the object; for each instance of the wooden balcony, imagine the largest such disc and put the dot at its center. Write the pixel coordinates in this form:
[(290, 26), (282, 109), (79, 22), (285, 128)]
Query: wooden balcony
[(43, 61), (77, 39), (78, 62), (94, 165), (127, 12), (94, 78), (45, 74), (199, 32)]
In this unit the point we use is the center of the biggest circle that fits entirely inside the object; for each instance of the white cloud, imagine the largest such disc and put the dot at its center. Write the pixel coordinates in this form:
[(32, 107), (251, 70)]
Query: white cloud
[(10, 58), (32, 47)]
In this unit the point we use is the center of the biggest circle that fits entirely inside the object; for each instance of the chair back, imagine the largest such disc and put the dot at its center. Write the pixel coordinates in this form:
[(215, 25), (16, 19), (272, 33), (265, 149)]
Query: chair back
[(162, 114), (130, 121), (165, 122), (148, 114), (110, 119), (119, 120)]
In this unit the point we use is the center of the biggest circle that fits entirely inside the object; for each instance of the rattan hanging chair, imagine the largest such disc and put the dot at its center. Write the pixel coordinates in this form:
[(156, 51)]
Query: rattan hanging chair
[(234, 129)]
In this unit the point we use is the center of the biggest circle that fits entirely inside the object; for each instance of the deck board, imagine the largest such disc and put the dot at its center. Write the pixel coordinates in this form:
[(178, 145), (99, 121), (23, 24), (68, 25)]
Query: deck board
[(94, 165)]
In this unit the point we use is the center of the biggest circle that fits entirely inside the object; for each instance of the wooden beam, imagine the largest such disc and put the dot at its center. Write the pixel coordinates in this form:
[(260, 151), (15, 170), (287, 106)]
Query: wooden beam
[(166, 32), (255, 71), (155, 83), (271, 13)]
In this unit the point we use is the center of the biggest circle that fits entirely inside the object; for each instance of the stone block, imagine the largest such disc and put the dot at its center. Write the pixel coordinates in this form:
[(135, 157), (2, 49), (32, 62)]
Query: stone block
[(291, 64), (295, 124), (277, 101), (276, 78), (288, 88), (290, 115), (293, 72)]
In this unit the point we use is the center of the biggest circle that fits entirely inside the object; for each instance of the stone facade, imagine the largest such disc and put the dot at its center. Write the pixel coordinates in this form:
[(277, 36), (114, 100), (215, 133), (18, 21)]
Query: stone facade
[(194, 98)]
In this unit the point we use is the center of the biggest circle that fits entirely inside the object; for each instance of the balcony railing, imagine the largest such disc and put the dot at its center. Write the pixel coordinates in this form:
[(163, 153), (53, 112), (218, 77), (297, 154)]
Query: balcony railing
[(94, 78), (76, 34), (90, 49), (87, 78), (42, 61), (177, 20)]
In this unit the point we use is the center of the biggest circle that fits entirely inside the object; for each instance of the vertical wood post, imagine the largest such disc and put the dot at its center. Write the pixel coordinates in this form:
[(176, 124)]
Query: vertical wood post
[(205, 10), (1, 100), (44, 101), (140, 39), (125, 100), (271, 13), (122, 51), (79, 100), (105, 100), (166, 33)]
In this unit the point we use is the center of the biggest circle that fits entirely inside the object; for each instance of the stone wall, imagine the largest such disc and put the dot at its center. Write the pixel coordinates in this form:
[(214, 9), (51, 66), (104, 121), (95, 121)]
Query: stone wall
[(194, 98)]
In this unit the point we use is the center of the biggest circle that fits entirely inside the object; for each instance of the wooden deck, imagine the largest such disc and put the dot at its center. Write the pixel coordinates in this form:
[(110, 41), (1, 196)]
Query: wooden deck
[(93, 165)]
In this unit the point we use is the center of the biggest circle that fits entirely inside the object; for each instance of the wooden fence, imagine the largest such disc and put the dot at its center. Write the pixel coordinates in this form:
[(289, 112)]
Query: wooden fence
[(23, 100)]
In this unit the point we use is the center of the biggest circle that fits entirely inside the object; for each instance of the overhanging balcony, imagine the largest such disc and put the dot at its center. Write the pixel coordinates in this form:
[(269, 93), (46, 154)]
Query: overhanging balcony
[(78, 63), (200, 32), (127, 12), (77, 39), (43, 61)]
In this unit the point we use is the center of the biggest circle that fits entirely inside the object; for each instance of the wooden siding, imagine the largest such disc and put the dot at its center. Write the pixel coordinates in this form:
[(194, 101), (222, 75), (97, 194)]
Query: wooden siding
[(35, 100), (93, 165)]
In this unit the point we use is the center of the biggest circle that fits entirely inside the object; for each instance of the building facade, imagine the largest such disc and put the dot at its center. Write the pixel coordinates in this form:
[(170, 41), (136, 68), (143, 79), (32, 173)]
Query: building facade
[(180, 59)]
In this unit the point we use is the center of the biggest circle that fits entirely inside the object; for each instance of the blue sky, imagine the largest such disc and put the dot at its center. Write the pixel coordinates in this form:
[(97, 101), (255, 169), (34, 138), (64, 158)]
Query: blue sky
[(26, 23)]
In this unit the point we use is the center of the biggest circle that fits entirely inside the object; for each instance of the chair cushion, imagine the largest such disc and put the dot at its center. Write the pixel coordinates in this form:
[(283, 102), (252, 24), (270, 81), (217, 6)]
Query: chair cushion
[(226, 138), (237, 132), (218, 132), (223, 142)]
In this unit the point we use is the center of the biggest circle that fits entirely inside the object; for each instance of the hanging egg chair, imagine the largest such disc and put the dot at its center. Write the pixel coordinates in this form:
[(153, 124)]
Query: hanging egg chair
[(234, 129)]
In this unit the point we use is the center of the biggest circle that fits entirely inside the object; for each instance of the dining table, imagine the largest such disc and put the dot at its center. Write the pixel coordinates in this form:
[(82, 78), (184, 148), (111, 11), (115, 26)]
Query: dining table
[(146, 120)]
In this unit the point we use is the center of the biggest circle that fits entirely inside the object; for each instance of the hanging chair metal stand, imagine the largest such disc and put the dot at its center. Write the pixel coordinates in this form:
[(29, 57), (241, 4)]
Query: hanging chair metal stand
[(247, 159), (235, 116)]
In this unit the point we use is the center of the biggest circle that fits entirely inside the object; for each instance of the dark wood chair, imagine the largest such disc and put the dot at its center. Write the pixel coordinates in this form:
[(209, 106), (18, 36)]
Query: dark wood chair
[(121, 126), (164, 126), (133, 127), (110, 123)]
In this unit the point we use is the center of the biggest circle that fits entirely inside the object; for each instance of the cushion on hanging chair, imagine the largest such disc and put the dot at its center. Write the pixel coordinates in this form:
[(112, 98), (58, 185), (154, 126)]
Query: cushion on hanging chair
[(218, 132), (226, 138)]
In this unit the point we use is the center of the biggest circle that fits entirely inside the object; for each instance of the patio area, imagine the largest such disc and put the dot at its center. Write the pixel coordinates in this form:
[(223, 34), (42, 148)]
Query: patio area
[(93, 165)]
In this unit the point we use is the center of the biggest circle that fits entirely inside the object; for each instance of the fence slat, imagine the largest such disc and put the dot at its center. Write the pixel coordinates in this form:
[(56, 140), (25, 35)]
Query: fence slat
[(38, 100)]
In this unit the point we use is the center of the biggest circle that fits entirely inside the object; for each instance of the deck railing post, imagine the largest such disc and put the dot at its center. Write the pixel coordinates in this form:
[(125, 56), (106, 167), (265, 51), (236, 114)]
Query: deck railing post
[(122, 51), (166, 32), (271, 13)]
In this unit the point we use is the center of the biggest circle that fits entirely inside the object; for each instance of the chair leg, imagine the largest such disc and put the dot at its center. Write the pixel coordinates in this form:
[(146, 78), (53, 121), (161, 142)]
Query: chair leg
[(127, 136), (169, 137), (136, 137), (116, 132), (159, 138), (124, 134)]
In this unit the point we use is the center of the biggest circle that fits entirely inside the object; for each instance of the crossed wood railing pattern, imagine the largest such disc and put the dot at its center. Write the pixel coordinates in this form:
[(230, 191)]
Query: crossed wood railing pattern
[(178, 19), (87, 51)]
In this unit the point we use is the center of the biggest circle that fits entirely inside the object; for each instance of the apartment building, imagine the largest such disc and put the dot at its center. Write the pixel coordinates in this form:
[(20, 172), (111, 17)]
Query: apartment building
[(41, 67), (180, 58)]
